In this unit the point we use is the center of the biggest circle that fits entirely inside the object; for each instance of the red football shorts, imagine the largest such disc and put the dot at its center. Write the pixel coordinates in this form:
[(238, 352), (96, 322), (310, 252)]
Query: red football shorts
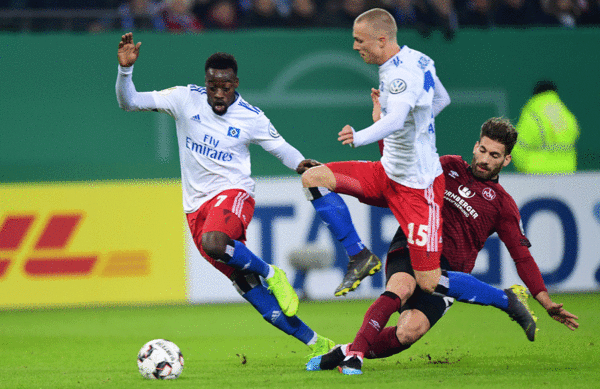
[(229, 212), (418, 211)]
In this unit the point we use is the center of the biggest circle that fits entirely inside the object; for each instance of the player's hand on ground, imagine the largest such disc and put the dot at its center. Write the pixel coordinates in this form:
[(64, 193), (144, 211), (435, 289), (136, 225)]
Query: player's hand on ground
[(375, 93), (346, 136), (306, 164), (558, 313), (128, 51)]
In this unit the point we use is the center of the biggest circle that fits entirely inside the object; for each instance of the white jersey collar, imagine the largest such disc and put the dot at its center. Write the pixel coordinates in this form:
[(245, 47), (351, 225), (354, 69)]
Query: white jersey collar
[(393, 62)]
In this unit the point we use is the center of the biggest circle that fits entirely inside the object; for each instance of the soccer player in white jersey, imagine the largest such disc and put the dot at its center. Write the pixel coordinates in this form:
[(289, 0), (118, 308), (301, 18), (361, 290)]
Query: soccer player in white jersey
[(215, 128), (409, 178)]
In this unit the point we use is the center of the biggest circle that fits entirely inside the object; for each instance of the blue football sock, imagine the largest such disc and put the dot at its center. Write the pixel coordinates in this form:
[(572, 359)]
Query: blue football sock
[(334, 212), (240, 257), (466, 288), (265, 303)]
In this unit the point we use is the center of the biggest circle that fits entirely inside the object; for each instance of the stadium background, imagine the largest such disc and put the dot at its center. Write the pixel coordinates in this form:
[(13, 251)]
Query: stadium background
[(91, 206)]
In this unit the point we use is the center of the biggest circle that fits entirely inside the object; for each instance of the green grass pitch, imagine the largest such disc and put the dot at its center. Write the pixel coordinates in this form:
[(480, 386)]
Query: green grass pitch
[(471, 347)]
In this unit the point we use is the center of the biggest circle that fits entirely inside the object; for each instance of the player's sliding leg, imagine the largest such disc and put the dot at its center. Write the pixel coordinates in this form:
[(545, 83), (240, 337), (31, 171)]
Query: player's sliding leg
[(329, 360), (374, 320), (466, 288), (340, 356), (462, 286), (334, 212), (376, 317), (417, 316), (234, 253), (350, 357), (352, 364), (386, 344), (419, 313), (378, 314), (519, 311), (251, 289), (414, 323), (400, 287)]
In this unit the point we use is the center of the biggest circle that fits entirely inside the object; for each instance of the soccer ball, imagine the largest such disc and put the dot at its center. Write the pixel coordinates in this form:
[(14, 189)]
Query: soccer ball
[(160, 359)]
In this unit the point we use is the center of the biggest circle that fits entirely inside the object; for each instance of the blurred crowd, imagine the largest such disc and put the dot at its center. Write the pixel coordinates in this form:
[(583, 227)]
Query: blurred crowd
[(422, 15)]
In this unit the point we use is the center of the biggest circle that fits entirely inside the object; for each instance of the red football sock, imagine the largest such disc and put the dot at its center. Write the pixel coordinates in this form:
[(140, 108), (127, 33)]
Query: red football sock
[(386, 344), (375, 319)]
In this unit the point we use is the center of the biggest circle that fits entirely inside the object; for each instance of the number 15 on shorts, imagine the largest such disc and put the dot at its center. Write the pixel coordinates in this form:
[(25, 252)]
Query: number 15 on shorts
[(421, 234)]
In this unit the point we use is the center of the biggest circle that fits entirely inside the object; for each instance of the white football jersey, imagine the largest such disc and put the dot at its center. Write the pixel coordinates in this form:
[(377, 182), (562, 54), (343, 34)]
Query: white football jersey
[(213, 149), (409, 155)]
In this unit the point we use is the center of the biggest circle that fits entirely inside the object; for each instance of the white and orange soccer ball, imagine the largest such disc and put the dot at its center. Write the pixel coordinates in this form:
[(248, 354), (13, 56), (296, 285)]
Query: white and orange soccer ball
[(160, 359)]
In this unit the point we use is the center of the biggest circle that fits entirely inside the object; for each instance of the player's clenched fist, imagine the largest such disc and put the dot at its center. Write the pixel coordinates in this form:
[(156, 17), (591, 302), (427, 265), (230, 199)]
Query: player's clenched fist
[(128, 51)]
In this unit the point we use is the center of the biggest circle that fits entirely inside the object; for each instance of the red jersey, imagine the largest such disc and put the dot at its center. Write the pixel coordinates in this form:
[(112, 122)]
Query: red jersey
[(473, 210)]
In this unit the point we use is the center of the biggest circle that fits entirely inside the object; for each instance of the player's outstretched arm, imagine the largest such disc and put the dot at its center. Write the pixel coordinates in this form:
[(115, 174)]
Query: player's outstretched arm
[(393, 121), (128, 98), (128, 51), (557, 312)]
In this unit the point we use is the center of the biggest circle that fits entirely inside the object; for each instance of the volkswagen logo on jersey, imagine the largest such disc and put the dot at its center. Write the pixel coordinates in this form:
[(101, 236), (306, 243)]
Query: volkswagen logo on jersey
[(465, 192), (273, 131), (233, 132), (397, 86), (488, 194)]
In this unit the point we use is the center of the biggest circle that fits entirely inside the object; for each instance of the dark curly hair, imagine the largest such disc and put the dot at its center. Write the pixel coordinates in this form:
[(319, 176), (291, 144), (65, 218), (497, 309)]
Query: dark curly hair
[(500, 130)]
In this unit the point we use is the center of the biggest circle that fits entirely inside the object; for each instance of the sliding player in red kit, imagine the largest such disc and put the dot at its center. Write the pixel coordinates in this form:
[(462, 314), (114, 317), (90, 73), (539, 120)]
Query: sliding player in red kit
[(475, 206)]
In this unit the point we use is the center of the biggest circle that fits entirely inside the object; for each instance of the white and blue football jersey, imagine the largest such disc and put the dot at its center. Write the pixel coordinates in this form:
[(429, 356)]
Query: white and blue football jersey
[(213, 149), (409, 155)]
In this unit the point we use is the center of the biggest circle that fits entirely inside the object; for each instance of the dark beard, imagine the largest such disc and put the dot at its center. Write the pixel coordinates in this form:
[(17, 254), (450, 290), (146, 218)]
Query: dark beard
[(488, 175)]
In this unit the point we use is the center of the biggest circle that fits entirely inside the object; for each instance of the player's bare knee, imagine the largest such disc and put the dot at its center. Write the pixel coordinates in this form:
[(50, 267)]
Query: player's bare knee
[(412, 325), (406, 336), (427, 284), (402, 285), (318, 176), (214, 243), (428, 280)]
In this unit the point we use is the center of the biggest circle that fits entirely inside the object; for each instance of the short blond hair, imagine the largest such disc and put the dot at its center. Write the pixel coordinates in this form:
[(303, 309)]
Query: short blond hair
[(380, 20)]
